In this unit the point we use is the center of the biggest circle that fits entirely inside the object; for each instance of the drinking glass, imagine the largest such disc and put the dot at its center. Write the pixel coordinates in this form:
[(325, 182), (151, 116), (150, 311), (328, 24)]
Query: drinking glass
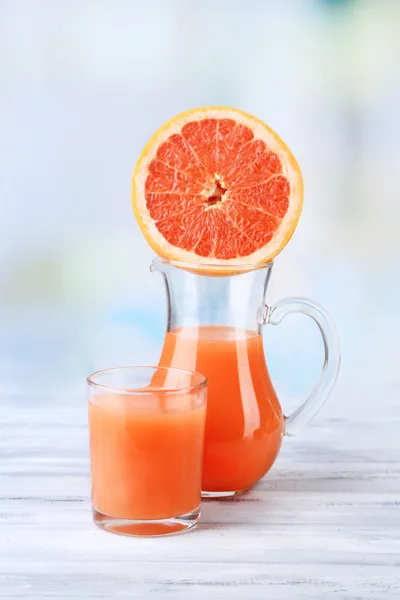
[(146, 428)]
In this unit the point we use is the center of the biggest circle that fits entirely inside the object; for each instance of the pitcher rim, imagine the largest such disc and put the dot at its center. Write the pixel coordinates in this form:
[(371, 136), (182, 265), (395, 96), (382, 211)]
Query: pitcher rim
[(238, 267)]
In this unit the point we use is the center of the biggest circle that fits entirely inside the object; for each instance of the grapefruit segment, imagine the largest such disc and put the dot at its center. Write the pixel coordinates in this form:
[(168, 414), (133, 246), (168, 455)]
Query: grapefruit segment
[(216, 186)]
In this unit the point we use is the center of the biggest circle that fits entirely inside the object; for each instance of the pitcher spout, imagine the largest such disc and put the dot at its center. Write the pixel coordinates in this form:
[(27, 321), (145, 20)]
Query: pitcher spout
[(156, 265), (163, 265)]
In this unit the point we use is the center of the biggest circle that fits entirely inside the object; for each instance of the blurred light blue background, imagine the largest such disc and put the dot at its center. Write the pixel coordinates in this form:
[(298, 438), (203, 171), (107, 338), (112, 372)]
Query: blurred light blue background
[(84, 83)]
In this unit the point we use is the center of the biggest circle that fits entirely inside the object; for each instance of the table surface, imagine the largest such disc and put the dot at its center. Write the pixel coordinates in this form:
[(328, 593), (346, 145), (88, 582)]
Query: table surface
[(325, 522)]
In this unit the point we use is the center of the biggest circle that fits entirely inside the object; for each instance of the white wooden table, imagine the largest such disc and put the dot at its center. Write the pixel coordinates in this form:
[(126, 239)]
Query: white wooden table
[(325, 522)]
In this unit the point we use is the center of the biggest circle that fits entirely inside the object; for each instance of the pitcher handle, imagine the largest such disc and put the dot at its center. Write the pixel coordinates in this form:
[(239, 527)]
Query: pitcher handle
[(311, 406)]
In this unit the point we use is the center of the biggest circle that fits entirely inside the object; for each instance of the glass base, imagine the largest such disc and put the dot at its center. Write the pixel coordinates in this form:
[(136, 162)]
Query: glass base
[(146, 527), (221, 495)]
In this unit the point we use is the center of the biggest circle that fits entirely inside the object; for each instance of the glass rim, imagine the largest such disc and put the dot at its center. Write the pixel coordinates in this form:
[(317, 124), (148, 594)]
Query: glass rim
[(244, 267), (143, 392)]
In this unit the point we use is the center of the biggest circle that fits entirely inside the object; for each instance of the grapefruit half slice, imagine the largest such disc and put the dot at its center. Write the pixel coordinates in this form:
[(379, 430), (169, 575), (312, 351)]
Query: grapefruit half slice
[(217, 187)]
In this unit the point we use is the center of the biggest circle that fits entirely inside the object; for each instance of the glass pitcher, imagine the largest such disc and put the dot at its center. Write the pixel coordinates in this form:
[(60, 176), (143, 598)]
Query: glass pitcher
[(214, 327)]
